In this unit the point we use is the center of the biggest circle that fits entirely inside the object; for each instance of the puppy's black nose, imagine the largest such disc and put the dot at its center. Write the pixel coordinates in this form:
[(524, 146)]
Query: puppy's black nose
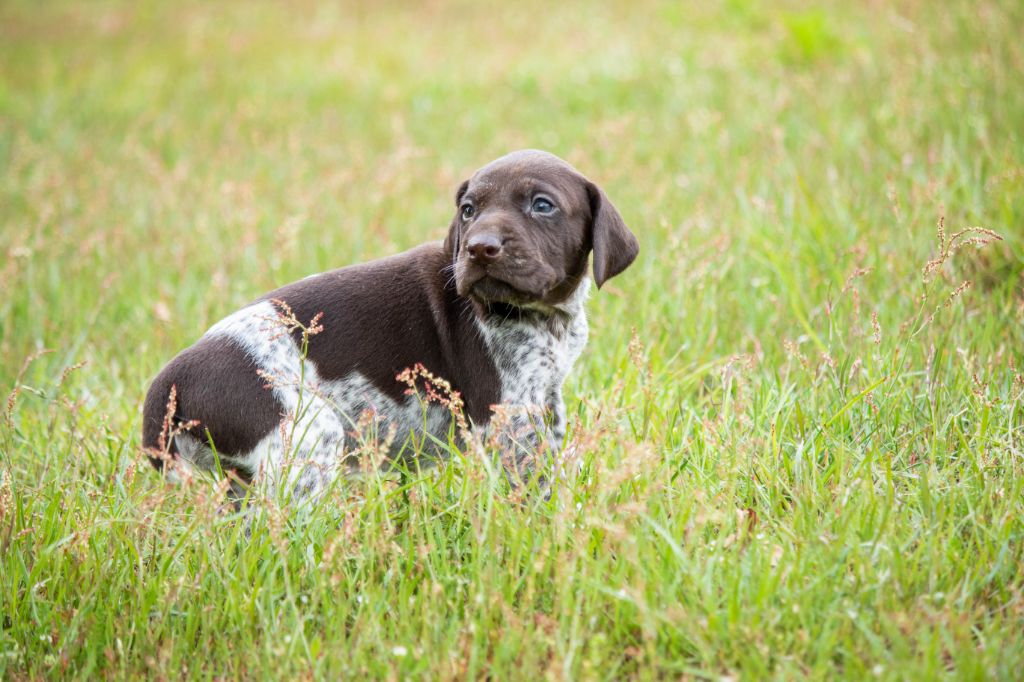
[(484, 248)]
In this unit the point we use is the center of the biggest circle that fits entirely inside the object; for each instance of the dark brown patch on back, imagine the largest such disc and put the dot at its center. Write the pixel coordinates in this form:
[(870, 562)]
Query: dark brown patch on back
[(385, 316), (217, 386)]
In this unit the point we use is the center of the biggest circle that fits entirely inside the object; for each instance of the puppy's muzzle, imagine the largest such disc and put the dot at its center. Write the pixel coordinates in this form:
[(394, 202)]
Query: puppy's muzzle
[(484, 249)]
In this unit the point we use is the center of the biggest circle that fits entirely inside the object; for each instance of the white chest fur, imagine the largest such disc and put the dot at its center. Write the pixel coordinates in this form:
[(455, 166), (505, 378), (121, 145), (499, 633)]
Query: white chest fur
[(533, 360)]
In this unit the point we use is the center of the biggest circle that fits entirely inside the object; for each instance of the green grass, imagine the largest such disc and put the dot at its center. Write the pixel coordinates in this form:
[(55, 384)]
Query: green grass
[(807, 464)]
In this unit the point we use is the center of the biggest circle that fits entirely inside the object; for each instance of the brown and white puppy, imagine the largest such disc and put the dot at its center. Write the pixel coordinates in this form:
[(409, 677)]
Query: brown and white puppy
[(496, 310)]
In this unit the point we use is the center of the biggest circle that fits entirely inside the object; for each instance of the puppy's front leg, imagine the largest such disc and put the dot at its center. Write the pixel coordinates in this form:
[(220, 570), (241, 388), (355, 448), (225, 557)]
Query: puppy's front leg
[(528, 438)]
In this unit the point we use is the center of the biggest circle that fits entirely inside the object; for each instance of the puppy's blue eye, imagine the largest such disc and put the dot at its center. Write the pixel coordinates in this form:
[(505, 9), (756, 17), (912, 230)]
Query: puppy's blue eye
[(468, 211), (542, 205)]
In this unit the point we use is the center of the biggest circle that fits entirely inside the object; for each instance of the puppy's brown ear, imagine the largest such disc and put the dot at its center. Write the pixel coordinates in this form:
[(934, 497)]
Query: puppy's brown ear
[(615, 247), (451, 242)]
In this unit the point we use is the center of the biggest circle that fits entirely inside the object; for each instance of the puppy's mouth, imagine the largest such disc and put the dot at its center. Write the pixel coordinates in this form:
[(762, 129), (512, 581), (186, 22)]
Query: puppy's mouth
[(499, 284), (495, 285), (489, 289)]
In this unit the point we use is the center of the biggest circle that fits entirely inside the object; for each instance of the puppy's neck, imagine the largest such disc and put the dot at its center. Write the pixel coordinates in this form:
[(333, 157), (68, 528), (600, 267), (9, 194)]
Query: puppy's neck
[(573, 304)]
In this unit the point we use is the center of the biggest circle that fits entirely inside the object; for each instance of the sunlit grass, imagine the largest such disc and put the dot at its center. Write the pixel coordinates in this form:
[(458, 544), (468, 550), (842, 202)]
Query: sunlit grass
[(799, 430)]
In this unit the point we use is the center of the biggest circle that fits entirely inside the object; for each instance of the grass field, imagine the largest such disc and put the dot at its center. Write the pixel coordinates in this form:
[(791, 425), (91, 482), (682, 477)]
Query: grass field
[(799, 419)]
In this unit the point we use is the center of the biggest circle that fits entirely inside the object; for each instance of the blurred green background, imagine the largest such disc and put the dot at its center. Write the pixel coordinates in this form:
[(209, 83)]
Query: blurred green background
[(164, 163)]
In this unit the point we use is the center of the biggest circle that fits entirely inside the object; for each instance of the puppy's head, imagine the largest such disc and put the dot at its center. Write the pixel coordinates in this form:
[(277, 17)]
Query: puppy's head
[(524, 226)]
